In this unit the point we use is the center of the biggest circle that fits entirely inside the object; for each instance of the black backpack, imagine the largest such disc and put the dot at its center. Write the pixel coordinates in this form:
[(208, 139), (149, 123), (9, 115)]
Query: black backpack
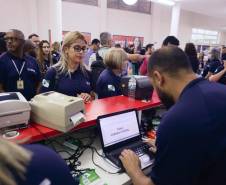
[(96, 68)]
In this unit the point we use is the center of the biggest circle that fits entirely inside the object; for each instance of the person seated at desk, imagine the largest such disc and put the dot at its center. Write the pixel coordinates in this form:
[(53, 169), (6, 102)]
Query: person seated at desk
[(191, 138), (108, 83), (32, 165), (69, 76)]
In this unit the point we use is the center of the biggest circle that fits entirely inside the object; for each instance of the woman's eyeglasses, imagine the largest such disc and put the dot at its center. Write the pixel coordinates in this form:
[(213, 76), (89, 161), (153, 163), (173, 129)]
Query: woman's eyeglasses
[(79, 48)]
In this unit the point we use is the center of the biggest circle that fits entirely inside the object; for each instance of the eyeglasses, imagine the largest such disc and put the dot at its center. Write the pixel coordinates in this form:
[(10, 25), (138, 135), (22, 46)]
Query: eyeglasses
[(13, 39), (79, 49)]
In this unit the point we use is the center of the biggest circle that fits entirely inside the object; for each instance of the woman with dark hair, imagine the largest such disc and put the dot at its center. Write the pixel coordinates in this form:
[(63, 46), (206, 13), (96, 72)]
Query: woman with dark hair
[(191, 52), (44, 57), (2, 43)]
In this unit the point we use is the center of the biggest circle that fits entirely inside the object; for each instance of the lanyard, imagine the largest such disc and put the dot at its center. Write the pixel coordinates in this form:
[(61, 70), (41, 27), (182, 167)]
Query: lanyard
[(19, 72)]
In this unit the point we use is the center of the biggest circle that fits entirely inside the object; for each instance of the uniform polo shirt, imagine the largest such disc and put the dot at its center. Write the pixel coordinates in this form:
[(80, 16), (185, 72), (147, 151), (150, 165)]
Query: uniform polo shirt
[(9, 75), (45, 167), (76, 83), (108, 84), (191, 139)]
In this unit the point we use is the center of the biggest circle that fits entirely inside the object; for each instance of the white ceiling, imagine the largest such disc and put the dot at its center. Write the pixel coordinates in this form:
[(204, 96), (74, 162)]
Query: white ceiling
[(213, 8)]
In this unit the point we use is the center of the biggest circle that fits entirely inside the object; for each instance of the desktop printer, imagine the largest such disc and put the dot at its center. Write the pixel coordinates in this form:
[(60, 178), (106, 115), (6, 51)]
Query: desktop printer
[(14, 111), (57, 111), (136, 86)]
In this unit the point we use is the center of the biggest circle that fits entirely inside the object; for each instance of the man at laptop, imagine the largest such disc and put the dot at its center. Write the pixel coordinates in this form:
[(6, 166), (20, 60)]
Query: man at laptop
[(191, 139)]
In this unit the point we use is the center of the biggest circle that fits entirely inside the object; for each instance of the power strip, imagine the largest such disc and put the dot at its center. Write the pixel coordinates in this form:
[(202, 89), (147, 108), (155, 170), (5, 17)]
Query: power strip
[(70, 145)]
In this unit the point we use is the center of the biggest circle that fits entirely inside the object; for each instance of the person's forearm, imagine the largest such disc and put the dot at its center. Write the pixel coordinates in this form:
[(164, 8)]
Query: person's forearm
[(135, 57), (217, 77), (138, 178), (208, 75)]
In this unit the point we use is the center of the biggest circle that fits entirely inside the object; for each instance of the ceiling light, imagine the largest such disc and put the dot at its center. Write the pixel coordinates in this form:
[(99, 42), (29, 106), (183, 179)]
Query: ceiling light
[(164, 2), (130, 2)]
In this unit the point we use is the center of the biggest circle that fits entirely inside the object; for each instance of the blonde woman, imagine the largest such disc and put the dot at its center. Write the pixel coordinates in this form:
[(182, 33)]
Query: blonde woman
[(108, 84), (31, 165), (69, 76)]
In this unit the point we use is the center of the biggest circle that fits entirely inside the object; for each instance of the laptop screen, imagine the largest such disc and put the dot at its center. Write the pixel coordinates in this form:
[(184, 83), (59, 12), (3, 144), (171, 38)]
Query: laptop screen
[(119, 127)]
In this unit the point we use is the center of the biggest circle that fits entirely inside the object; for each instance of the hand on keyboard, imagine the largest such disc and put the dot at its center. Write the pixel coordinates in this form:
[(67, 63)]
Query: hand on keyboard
[(130, 161), (151, 143)]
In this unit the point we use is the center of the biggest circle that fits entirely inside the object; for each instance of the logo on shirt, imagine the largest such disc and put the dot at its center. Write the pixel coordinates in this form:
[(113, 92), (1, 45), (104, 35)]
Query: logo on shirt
[(31, 70), (111, 87), (87, 83), (45, 83), (45, 182)]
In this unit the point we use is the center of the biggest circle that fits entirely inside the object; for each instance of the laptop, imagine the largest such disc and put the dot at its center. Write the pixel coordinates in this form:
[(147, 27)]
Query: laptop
[(119, 131)]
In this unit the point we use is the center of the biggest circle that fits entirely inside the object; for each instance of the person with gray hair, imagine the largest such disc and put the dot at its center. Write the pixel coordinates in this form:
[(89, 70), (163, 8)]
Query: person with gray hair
[(106, 43)]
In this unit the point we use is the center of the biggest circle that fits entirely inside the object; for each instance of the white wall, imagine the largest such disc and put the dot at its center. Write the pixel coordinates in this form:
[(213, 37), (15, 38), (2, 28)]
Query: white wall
[(161, 20), (14, 15), (191, 20), (78, 17), (29, 16)]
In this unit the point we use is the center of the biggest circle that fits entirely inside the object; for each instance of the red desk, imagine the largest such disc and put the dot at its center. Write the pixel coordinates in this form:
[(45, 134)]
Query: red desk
[(37, 132)]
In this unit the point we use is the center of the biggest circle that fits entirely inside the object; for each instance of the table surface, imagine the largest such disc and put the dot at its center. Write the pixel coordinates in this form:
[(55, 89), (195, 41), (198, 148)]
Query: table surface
[(36, 132)]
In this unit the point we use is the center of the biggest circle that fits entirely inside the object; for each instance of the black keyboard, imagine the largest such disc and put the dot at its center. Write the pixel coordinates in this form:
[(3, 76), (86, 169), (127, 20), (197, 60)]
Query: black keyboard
[(139, 150)]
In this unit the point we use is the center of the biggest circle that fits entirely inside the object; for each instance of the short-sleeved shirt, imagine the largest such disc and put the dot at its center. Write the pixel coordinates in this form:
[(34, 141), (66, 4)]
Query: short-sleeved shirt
[(108, 84), (45, 167), (191, 139), (9, 75), (76, 83)]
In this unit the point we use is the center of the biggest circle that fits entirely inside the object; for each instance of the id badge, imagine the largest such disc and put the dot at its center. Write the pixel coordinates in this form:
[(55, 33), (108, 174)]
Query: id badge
[(20, 84)]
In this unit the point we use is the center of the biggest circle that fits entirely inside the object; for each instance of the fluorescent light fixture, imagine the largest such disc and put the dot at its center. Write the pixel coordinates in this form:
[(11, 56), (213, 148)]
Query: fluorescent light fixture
[(130, 2), (164, 2)]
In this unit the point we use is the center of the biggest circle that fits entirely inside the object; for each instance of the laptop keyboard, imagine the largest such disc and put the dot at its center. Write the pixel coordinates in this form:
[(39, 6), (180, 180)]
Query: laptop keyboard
[(139, 149)]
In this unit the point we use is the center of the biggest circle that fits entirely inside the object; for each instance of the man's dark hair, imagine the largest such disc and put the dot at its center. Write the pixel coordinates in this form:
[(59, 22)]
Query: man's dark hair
[(32, 35), (169, 59), (148, 46), (95, 41), (171, 40)]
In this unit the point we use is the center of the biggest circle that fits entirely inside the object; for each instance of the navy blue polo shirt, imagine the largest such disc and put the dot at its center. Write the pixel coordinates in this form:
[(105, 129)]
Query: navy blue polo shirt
[(46, 167), (223, 56), (9, 75), (76, 83), (108, 84), (213, 65), (191, 139)]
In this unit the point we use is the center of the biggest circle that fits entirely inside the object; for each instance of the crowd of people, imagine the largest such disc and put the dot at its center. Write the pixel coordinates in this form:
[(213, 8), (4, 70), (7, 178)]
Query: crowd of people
[(191, 140)]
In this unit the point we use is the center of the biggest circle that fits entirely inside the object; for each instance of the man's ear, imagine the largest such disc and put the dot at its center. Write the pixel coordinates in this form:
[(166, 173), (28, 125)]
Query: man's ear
[(159, 78)]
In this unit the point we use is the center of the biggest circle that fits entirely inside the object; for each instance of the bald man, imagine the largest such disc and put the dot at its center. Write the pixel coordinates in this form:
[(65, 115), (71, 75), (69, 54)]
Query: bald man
[(18, 72)]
